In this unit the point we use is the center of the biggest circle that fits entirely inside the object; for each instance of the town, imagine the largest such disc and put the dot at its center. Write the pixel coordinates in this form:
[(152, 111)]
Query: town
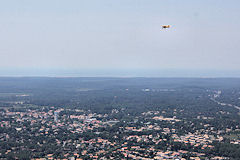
[(51, 133)]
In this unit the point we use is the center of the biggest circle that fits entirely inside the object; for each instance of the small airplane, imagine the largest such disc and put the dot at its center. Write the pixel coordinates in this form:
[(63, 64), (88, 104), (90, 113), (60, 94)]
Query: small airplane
[(165, 26)]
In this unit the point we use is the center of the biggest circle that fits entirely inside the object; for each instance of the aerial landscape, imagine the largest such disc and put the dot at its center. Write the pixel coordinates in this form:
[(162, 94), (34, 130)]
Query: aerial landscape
[(120, 118), (119, 80)]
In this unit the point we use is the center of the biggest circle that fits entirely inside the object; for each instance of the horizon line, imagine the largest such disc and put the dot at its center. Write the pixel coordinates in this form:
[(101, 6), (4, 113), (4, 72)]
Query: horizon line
[(184, 77)]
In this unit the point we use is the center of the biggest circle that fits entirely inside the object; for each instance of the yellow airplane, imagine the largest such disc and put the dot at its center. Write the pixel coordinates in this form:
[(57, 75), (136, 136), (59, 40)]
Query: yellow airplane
[(165, 26)]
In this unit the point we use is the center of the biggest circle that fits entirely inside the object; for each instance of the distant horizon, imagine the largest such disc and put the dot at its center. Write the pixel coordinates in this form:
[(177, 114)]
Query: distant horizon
[(121, 73)]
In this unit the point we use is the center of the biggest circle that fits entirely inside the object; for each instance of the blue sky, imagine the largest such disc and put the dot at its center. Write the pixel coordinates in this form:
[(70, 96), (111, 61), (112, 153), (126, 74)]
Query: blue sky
[(119, 35)]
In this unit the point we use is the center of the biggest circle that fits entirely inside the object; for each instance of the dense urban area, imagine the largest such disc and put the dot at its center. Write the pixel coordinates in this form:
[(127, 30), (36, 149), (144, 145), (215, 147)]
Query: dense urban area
[(119, 118)]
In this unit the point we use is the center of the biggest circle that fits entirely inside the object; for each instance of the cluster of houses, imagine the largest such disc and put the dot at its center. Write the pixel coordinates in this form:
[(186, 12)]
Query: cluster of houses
[(49, 123)]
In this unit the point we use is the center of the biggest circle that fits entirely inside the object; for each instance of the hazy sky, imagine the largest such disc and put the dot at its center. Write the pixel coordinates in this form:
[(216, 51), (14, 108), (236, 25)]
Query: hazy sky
[(120, 34)]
